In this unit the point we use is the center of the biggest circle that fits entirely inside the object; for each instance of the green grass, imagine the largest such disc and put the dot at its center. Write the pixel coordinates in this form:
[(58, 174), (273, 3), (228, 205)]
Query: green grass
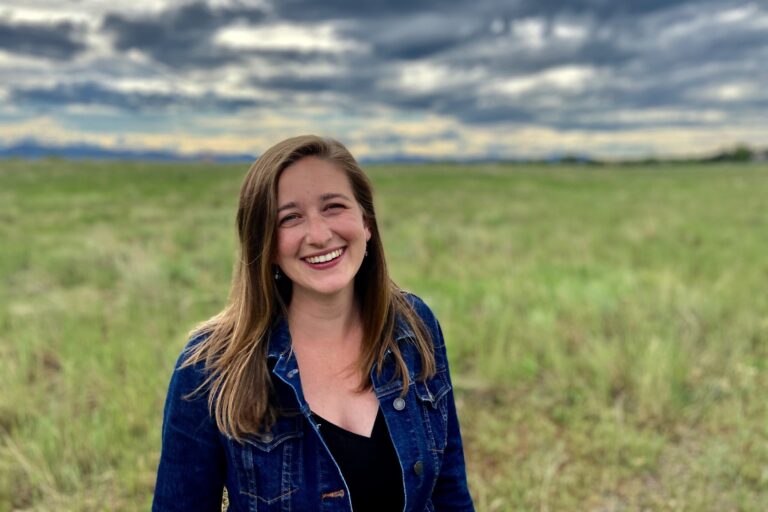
[(607, 327)]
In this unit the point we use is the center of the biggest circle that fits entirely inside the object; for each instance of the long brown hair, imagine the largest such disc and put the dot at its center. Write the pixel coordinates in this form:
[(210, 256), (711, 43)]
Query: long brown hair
[(234, 348)]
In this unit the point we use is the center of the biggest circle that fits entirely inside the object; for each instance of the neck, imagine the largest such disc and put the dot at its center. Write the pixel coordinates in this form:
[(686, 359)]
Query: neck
[(325, 321)]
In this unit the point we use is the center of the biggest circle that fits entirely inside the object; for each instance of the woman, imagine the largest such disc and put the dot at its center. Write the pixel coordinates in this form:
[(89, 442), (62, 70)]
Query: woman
[(321, 385)]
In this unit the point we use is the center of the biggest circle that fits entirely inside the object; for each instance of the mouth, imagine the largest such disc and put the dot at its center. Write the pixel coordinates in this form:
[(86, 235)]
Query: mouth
[(327, 257)]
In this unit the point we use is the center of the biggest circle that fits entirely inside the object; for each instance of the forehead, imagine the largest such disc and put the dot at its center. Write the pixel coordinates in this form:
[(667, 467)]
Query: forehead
[(311, 177)]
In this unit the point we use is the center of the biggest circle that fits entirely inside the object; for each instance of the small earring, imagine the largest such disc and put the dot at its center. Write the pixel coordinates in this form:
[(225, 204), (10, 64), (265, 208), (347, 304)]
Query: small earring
[(277, 273), (366, 253)]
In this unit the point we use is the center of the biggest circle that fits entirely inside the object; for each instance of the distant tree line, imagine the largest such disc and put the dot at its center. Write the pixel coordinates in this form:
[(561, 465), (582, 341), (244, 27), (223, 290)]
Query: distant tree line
[(740, 153)]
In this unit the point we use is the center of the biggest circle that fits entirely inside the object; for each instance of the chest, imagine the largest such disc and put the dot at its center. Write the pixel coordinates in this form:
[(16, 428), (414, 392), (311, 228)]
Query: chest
[(333, 392)]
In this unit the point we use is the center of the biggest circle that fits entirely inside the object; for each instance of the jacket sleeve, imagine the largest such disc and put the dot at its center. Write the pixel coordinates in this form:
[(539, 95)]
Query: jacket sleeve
[(451, 492), (191, 472)]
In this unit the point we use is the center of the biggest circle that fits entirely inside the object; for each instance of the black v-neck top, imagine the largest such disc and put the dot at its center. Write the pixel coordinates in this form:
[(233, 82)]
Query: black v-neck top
[(369, 465)]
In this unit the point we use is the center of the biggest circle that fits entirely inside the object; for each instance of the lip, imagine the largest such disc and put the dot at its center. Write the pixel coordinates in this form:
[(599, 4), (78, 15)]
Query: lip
[(326, 264), (323, 253)]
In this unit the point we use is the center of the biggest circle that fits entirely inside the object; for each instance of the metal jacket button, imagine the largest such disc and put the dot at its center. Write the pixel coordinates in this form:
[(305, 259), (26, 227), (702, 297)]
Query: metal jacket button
[(418, 468), (399, 404), (267, 438)]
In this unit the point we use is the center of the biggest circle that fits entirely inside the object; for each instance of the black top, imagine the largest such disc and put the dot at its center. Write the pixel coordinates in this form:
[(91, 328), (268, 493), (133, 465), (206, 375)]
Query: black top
[(369, 465)]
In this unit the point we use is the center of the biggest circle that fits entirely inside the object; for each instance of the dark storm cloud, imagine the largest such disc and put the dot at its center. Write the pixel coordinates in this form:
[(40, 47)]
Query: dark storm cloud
[(181, 36), (352, 86), (602, 9), (416, 37), (418, 46), (617, 40), (90, 93), (634, 71), (514, 59), (639, 55), (55, 41), (456, 36), (308, 10)]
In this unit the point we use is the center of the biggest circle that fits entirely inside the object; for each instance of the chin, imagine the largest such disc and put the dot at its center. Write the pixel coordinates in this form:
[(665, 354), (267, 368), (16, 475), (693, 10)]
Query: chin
[(325, 288)]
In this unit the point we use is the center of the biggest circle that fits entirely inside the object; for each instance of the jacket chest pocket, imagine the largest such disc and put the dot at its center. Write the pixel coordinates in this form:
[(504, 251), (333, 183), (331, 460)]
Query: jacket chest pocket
[(432, 396), (268, 466)]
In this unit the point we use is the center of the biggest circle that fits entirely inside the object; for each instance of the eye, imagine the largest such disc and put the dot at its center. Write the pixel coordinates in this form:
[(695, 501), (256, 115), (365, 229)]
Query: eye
[(333, 206), (287, 219)]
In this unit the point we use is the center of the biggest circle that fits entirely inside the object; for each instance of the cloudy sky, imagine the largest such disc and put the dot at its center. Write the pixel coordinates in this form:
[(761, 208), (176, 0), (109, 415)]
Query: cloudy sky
[(436, 78)]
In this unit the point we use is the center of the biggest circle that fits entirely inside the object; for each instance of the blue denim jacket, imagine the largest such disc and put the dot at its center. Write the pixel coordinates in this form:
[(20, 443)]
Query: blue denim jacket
[(290, 468)]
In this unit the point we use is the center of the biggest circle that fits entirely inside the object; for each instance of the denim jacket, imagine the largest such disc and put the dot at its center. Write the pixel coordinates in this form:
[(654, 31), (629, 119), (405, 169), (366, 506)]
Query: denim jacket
[(290, 467)]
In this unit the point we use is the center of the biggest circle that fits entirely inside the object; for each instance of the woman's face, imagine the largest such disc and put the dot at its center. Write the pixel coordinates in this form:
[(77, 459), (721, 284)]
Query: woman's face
[(321, 233)]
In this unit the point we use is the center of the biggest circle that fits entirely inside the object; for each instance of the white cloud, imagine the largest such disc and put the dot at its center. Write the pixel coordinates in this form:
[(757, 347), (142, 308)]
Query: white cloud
[(261, 4), (15, 63), (570, 32), (730, 92), (86, 11), (738, 14), (156, 86), (530, 31), (701, 24), (653, 116), (44, 14), (425, 76), (92, 110), (285, 37), (565, 78)]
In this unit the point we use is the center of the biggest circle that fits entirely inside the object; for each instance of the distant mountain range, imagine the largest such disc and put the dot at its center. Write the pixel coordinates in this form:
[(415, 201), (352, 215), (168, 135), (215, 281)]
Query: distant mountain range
[(32, 149)]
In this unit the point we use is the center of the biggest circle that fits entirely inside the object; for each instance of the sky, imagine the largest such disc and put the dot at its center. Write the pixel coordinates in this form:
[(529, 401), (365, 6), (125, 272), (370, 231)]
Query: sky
[(456, 79)]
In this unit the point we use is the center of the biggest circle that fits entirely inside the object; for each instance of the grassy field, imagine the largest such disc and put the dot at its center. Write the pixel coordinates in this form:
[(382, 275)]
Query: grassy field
[(607, 327)]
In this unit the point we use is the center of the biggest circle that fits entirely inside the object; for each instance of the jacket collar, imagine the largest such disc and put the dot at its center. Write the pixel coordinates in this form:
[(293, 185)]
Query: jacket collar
[(279, 338)]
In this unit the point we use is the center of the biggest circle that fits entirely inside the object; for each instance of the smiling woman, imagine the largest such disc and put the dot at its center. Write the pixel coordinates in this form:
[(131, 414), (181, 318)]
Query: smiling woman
[(322, 235), (322, 385)]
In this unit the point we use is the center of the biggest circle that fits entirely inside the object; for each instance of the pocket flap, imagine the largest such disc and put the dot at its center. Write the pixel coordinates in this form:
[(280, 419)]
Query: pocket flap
[(433, 389), (285, 428)]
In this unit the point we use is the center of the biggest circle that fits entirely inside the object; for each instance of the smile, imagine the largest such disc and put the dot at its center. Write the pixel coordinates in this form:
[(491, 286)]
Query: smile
[(324, 258)]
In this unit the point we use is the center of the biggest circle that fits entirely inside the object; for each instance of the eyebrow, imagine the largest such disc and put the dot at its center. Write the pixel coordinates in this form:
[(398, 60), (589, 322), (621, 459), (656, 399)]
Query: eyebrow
[(324, 197), (287, 206), (333, 195)]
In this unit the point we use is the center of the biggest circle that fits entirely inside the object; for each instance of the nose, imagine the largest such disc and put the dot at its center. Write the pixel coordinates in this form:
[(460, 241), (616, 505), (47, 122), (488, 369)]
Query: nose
[(318, 231)]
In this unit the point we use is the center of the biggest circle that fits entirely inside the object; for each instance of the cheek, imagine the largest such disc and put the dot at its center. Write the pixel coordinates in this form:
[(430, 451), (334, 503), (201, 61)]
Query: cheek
[(352, 226), (354, 232), (286, 244)]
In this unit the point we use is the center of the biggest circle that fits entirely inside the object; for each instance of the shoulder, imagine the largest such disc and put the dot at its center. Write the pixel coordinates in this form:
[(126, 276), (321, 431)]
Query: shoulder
[(195, 341), (432, 325), (424, 312), (418, 304), (188, 378), (186, 415)]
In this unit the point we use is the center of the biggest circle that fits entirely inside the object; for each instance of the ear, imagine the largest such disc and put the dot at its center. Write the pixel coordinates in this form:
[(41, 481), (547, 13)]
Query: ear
[(367, 230)]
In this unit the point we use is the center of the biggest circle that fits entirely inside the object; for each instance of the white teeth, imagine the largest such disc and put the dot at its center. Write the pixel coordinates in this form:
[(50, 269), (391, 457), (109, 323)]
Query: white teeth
[(325, 257)]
